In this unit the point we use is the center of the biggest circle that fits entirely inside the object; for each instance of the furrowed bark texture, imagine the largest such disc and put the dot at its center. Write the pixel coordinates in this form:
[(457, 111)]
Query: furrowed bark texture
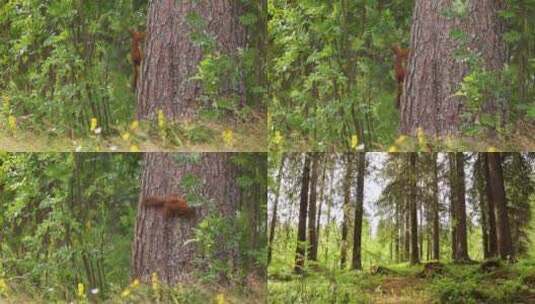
[(434, 75), (171, 58), (161, 244)]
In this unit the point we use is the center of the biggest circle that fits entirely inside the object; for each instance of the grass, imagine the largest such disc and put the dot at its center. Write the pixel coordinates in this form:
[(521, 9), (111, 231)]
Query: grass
[(459, 284), (195, 136), (519, 140)]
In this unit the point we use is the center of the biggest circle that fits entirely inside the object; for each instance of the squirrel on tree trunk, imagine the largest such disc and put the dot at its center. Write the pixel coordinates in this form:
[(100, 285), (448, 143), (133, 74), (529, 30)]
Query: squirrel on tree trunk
[(172, 206), (137, 54), (400, 67)]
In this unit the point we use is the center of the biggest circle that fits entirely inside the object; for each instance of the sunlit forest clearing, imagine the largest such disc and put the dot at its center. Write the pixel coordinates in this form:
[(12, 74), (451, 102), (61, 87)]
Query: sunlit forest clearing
[(132, 228), (352, 75), (113, 76), (401, 228)]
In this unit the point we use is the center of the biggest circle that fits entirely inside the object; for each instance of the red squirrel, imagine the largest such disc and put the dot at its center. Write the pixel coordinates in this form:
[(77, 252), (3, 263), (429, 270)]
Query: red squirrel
[(172, 206), (400, 67), (137, 54)]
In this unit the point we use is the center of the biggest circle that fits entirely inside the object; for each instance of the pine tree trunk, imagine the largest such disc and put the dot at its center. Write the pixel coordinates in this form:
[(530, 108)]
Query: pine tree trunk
[(453, 198), (302, 225), (161, 244), (359, 210), (480, 184), (321, 199), (461, 240), (434, 74), (313, 250), (347, 197), (273, 225), (436, 218), (413, 211), (171, 58), (503, 233), (492, 238)]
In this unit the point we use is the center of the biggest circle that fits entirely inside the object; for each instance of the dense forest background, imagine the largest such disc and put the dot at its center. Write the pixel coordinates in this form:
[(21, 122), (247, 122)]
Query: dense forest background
[(68, 226), (401, 228), (66, 73), (334, 83)]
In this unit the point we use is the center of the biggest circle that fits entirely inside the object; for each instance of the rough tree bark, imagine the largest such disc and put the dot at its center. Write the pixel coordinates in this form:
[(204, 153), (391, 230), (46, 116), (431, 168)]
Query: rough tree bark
[(482, 197), (413, 214), (300, 251), (503, 233), (359, 210), (492, 238), (273, 225), (161, 244), (434, 74), (171, 57), (459, 208)]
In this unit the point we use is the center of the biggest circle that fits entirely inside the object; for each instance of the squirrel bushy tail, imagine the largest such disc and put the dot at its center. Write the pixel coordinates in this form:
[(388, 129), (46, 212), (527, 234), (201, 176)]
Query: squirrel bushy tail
[(172, 206)]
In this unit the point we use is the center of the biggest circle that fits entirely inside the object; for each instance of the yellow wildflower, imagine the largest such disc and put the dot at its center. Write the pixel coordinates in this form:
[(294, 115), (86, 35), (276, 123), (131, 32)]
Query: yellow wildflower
[(81, 290), (125, 136), (12, 122), (393, 149), (161, 119), (125, 293), (134, 148), (134, 125), (401, 140), (135, 283), (492, 149), (93, 124), (3, 286), (228, 137), (6, 106), (154, 280), (421, 137), (220, 299), (354, 141), (277, 138)]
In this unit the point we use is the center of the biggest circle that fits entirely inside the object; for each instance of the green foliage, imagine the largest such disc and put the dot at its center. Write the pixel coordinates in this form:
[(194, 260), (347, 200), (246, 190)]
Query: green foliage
[(61, 220), (65, 69), (61, 68), (329, 62)]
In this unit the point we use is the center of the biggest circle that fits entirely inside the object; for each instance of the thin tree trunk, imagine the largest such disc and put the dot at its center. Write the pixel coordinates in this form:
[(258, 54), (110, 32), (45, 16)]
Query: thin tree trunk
[(398, 233), (407, 235), (359, 210), (346, 208), (492, 238), (505, 245), (171, 56), (413, 212), (273, 225), (302, 226), (322, 199), (461, 244), (313, 249), (329, 209), (436, 218), (453, 197), (480, 184)]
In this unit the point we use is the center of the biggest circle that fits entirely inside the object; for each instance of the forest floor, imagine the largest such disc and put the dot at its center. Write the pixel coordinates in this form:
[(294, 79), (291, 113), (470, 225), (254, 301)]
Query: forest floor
[(521, 138), (402, 283), (211, 137), (193, 294)]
